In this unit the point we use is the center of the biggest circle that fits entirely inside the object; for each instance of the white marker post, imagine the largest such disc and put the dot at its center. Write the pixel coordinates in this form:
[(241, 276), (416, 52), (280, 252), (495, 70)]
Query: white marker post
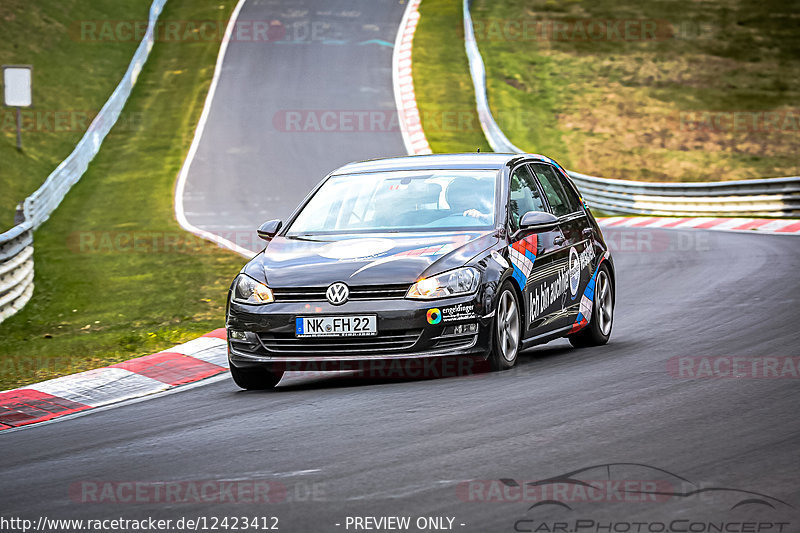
[(17, 84)]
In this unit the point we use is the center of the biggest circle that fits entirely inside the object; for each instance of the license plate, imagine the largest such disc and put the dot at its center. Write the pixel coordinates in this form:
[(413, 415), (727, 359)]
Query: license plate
[(336, 326)]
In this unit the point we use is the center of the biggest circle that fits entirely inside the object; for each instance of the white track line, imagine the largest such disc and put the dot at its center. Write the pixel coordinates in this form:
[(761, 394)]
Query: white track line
[(180, 185)]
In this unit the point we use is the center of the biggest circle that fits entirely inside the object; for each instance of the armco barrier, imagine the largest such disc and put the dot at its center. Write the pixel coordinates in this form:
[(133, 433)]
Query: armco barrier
[(774, 197), (16, 269), (16, 245)]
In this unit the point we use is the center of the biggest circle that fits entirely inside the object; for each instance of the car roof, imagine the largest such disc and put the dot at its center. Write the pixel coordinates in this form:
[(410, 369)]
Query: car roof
[(470, 161)]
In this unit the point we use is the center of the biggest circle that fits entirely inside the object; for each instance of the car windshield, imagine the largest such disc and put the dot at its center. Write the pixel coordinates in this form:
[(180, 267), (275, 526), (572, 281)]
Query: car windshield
[(428, 200)]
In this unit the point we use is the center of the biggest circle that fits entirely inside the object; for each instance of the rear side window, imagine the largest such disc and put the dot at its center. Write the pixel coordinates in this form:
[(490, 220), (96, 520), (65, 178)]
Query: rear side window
[(560, 196), (523, 196), (572, 197)]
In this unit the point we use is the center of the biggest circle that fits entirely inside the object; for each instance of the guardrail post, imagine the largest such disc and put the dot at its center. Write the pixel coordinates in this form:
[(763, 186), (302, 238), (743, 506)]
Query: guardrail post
[(19, 215)]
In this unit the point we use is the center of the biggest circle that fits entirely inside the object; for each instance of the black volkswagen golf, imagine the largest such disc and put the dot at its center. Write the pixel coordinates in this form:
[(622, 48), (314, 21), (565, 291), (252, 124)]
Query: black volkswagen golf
[(421, 257)]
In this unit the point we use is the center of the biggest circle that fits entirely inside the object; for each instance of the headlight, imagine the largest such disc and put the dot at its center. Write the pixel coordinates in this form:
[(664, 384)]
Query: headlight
[(453, 283), (246, 290)]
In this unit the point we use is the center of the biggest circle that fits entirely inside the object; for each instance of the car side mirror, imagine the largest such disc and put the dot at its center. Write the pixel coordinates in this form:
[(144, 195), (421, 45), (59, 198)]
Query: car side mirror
[(537, 220), (269, 229)]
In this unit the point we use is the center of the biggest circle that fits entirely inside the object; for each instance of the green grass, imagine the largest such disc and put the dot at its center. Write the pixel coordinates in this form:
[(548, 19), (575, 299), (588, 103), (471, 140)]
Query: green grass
[(621, 108), (105, 301), (70, 76), (442, 84)]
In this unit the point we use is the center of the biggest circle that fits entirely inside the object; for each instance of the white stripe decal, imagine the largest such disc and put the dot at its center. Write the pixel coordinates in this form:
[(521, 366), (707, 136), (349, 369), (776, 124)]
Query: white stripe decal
[(694, 222), (197, 345), (732, 223), (776, 225), (217, 355), (660, 222), (608, 221)]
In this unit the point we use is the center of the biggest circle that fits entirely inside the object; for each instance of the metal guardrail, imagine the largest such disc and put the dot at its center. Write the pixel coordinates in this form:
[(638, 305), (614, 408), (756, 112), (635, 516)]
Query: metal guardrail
[(16, 244), (771, 197), (16, 269)]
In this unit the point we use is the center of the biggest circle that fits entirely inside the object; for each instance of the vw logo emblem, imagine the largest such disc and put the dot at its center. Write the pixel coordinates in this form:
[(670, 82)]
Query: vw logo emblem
[(337, 293)]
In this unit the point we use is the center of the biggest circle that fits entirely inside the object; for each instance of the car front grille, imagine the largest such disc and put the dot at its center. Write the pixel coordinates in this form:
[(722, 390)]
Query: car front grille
[(387, 342), (317, 294)]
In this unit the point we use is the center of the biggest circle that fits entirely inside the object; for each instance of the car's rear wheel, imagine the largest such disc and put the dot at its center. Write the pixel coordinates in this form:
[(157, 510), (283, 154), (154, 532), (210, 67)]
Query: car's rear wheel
[(507, 330), (256, 378), (598, 331)]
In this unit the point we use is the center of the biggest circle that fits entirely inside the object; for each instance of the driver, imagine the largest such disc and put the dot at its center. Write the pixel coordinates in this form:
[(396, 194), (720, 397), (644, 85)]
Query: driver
[(464, 195)]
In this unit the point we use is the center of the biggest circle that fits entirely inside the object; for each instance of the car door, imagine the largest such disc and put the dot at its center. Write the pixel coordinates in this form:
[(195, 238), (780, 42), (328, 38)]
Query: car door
[(533, 254), (574, 255)]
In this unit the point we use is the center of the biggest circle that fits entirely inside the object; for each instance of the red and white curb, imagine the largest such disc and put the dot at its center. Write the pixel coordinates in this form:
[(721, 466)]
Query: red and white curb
[(405, 99), (762, 225), (185, 363)]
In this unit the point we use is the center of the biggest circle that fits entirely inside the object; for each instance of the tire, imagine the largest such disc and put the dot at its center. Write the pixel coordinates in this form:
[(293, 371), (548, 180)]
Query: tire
[(256, 378), (598, 331), (507, 330)]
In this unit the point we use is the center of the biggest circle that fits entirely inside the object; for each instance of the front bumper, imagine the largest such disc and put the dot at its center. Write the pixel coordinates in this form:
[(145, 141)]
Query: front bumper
[(404, 332)]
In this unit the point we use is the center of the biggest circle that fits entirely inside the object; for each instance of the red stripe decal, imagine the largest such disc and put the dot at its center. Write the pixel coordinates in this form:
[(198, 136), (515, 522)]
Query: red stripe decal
[(218, 333), (616, 222), (642, 222), (674, 222), (171, 368), (790, 228), (753, 224), (25, 406), (3, 426), (711, 223)]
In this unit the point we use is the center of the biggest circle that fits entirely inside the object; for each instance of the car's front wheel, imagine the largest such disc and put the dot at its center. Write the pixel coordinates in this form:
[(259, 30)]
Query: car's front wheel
[(507, 330), (256, 378), (598, 331)]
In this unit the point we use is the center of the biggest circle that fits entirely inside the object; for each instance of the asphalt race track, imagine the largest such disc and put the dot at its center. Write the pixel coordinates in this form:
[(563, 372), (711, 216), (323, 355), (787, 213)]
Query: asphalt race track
[(388, 447), (287, 113), (334, 447)]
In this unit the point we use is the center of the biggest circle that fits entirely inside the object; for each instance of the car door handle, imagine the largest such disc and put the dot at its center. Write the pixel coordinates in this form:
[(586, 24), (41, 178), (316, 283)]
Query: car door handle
[(559, 240)]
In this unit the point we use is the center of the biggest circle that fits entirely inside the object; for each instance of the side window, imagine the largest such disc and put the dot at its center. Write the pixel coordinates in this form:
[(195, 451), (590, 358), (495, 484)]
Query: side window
[(572, 197), (562, 199), (523, 196)]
